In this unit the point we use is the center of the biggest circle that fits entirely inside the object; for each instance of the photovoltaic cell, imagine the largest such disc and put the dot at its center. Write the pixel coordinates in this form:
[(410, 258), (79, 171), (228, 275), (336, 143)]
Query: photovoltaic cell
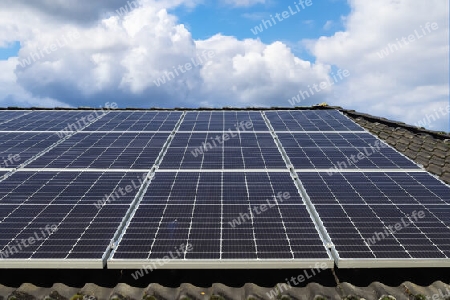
[(212, 205), (341, 151), (16, 148), (30, 203), (311, 120), (223, 121), (105, 151), (211, 211), (397, 216), (211, 151), (137, 121), (7, 115), (51, 121)]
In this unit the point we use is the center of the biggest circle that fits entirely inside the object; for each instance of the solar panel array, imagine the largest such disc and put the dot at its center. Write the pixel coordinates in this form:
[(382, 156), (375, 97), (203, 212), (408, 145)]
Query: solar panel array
[(245, 189)]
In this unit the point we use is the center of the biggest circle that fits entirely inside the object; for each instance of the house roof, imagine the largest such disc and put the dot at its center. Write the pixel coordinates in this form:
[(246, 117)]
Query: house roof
[(217, 291), (430, 149)]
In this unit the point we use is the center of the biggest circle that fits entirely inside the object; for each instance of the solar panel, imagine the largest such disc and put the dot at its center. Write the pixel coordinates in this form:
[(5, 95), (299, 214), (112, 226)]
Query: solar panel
[(17, 148), (136, 121), (311, 120), (211, 151), (34, 204), (223, 121), (210, 212), (8, 115), (383, 219), (207, 169), (51, 121), (341, 151), (104, 151)]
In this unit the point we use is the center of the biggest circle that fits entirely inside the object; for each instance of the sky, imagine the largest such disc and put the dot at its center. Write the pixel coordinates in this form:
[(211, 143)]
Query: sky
[(388, 58)]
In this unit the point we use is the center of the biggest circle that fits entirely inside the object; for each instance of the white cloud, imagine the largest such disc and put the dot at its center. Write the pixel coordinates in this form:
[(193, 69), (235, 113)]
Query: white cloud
[(243, 3), (406, 83), (328, 25), (13, 94), (120, 57)]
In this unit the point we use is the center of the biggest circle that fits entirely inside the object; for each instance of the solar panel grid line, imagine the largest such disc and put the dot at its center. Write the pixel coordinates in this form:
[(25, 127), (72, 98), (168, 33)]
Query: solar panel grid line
[(324, 132), (385, 226), (138, 198), (18, 262), (220, 170), (145, 121), (199, 258), (50, 120), (392, 148), (192, 218), (350, 120), (67, 237), (284, 155), (307, 201), (430, 255), (73, 208), (418, 202), (332, 152), (114, 150), (16, 148), (282, 221), (84, 170), (310, 120), (251, 217), (27, 131), (12, 119), (46, 150)]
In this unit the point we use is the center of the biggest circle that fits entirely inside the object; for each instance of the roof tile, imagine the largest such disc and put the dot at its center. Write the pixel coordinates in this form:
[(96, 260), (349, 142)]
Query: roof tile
[(434, 169), (391, 140), (401, 147), (428, 146), (437, 161), (444, 147), (411, 154), (440, 153), (384, 135), (446, 177), (422, 161), (404, 141), (414, 147)]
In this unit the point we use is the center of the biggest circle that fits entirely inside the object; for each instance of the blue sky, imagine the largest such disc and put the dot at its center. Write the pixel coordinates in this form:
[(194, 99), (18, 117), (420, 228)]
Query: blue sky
[(87, 53), (10, 50), (319, 19)]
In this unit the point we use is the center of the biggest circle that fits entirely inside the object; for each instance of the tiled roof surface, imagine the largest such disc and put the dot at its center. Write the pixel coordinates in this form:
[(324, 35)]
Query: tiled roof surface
[(427, 148), (375, 291)]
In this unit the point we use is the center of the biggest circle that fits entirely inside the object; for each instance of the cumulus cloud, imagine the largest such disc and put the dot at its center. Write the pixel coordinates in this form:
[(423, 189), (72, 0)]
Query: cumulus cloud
[(120, 57), (122, 52), (244, 3), (409, 82)]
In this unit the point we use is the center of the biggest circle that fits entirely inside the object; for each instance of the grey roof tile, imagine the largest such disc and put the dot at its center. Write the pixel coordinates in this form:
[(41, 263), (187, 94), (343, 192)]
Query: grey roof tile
[(374, 291), (428, 148)]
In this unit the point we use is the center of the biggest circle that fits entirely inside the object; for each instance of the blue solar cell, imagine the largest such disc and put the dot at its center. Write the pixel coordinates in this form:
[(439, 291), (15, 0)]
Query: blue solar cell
[(105, 151), (311, 120), (8, 115), (193, 207), (204, 151), (137, 121), (33, 202), (16, 148), (234, 121), (364, 212), (51, 121), (341, 151)]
